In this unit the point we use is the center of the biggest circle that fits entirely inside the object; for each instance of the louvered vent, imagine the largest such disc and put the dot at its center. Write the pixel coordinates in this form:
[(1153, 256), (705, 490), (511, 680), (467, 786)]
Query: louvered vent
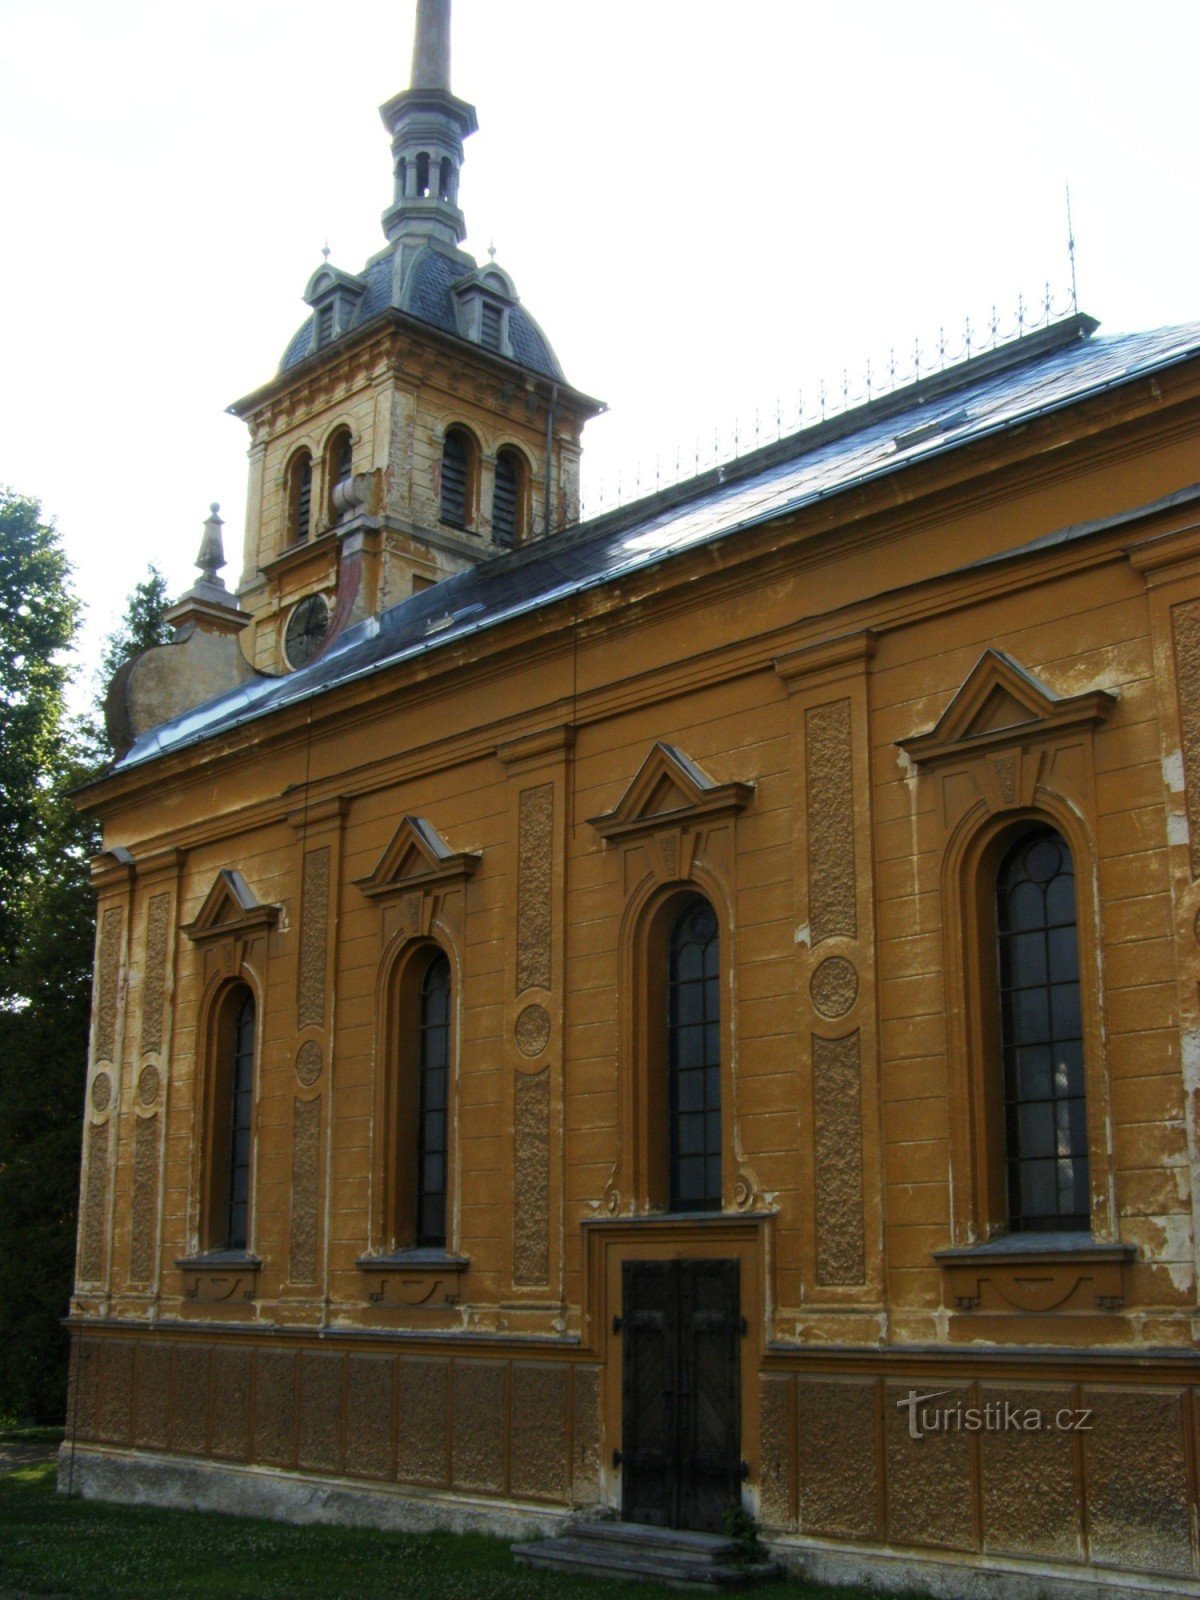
[(303, 499), (325, 324), (456, 464), (489, 333), (504, 500)]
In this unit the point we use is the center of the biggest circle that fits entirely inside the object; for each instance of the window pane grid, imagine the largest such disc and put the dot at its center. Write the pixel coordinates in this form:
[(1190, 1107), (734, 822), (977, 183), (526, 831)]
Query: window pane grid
[(694, 1062), (431, 1114), (1042, 1031), (241, 1112)]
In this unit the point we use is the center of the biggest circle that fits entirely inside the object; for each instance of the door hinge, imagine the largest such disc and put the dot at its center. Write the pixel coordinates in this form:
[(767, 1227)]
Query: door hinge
[(617, 1324), (617, 1459)]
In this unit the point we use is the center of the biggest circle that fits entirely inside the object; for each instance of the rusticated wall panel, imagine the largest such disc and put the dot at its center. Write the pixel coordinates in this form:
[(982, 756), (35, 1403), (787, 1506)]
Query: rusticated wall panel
[(306, 1156), (1187, 671), (478, 1437), (423, 1391), (314, 923), (231, 1378), (585, 1477), (320, 1443), (275, 1407), (1027, 1480), (540, 1466), (189, 1399), (776, 1471), (531, 1179), (108, 984), (832, 886), (94, 1231), (837, 1132), (534, 857), (144, 1217), (928, 1479), (369, 1384), (153, 1386), (114, 1419), (154, 984), (837, 1477), (1136, 1480), (83, 1383)]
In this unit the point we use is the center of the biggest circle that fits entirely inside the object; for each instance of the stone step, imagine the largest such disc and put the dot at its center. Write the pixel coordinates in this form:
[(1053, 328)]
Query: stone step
[(662, 1555)]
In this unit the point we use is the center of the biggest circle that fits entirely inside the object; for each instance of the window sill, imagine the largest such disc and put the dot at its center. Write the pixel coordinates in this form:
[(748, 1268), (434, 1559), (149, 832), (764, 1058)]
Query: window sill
[(426, 1279), (1066, 1273), (218, 1275), (220, 1261), (413, 1261)]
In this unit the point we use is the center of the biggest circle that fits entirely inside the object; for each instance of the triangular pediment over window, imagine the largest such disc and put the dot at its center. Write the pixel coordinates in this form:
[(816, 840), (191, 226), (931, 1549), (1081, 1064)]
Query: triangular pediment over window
[(230, 907), (417, 858), (999, 703), (669, 788)]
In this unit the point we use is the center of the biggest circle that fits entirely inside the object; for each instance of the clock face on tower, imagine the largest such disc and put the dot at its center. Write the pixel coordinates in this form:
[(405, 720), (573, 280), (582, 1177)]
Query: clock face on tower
[(306, 630)]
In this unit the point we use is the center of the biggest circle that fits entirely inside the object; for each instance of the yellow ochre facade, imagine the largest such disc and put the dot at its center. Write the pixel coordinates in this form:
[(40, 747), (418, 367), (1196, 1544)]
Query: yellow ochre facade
[(392, 1103)]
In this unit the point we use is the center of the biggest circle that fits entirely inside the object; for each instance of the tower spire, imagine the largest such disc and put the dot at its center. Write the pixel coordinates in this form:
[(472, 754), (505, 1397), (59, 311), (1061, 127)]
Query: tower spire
[(428, 125), (431, 46)]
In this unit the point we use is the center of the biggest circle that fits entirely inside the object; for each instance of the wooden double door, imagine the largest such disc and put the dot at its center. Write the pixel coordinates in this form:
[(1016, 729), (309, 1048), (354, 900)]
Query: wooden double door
[(681, 1332)]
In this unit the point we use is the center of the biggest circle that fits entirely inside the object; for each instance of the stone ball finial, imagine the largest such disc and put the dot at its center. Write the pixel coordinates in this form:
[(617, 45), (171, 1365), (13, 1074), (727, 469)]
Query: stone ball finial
[(212, 549)]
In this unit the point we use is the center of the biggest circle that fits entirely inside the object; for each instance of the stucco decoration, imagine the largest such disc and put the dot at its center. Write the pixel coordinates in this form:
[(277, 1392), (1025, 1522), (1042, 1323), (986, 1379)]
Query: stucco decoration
[(154, 988), (314, 920), (309, 1063), (478, 1435), (775, 1468), (837, 1471), (275, 1407), (306, 1152), (94, 1230), (189, 1388), (230, 908), (149, 1081), (533, 1031), (1187, 672), (417, 859), (423, 1393), (320, 1410), (1028, 1490), (834, 987), (929, 1488), (145, 1199), (101, 1092), (534, 856), (231, 1377), (538, 1448), (152, 1420), (531, 1175), (831, 868), (1137, 1480), (669, 791), (585, 1473), (114, 1410), (837, 1107), (108, 982)]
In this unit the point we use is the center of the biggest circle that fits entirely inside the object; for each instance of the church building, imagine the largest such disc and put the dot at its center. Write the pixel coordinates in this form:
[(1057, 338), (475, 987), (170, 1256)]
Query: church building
[(693, 1009)]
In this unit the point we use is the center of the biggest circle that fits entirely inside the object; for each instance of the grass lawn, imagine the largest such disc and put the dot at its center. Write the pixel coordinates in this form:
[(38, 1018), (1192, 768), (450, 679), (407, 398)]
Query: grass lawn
[(57, 1547)]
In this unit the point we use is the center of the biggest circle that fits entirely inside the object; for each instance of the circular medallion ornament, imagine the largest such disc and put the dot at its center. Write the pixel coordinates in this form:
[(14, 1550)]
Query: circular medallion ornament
[(306, 630), (533, 1030), (309, 1063), (148, 1080), (834, 987), (101, 1091)]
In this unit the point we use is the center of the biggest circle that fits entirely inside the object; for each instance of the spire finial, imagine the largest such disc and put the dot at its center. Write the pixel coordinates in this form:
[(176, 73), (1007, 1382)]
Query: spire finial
[(431, 46), (212, 549), (492, 251), (325, 250)]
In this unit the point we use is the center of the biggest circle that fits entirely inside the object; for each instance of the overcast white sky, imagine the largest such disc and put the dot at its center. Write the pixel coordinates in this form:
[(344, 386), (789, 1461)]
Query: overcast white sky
[(706, 205)]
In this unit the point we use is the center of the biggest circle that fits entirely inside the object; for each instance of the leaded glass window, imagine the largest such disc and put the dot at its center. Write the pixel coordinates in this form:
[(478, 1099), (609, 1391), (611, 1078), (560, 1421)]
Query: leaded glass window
[(1042, 1036), (694, 1059)]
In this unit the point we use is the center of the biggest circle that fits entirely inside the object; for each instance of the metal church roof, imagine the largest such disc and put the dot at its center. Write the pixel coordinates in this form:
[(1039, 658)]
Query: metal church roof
[(1043, 373)]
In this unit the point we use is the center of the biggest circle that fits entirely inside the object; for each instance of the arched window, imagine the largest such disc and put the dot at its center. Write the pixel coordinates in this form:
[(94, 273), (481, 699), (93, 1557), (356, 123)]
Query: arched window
[(433, 1073), (1041, 1027), (300, 480), (458, 474), (339, 465), (230, 1122), (423, 175), (402, 175), (508, 499), (446, 179), (694, 1058)]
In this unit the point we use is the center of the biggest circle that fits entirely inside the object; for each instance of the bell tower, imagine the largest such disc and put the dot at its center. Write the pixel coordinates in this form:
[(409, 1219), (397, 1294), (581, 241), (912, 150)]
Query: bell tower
[(420, 421)]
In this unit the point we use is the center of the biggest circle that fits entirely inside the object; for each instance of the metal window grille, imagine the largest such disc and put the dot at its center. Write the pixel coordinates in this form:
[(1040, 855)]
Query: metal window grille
[(694, 1059)]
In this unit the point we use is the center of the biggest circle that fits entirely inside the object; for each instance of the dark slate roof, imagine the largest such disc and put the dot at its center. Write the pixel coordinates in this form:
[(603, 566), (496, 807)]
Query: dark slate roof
[(981, 398), (427, 296)]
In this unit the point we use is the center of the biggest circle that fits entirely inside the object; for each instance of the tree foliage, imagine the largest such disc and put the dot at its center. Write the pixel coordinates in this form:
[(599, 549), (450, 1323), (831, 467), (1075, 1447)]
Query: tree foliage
[(47, 907)]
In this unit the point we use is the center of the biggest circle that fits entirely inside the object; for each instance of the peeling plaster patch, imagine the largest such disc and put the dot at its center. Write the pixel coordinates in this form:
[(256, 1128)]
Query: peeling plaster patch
[(1190, 1059), (1177, 1241), (804, 935), (1177, 829), (1172, 771), (905, 762)]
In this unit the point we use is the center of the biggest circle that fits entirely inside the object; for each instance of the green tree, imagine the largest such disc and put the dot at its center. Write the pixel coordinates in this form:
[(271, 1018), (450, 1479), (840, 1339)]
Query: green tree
[(45, 972)]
